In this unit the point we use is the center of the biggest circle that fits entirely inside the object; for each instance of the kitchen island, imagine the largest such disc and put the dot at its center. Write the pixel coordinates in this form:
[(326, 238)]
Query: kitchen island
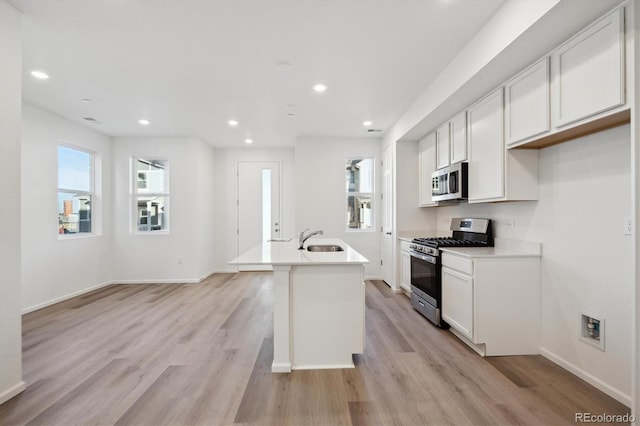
[(318, 303)]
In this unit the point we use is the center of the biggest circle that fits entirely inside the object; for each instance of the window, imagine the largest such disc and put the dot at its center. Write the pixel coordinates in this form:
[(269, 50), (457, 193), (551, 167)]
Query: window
[(150, 194), (75, 190), (359, 181)]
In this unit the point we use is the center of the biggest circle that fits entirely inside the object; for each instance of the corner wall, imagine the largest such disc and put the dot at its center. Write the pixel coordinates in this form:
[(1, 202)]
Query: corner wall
[(180, 254), (320, 193), (587, 262), (10, 234), (54, 268), (225, 214)]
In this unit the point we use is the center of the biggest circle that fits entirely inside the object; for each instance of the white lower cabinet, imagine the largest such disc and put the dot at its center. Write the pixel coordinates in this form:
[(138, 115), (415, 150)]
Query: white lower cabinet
[(405, 267), (457, 301), (493, 303)]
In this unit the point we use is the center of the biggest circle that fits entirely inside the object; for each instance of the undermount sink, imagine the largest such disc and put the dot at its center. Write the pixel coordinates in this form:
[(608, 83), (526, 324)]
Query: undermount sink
[(324, 247)]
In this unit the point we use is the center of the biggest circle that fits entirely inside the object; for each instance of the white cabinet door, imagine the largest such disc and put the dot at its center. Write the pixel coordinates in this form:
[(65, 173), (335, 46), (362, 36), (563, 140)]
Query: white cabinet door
[(427, 165), (527, 103), (457, 301), (486, 149), (459, 137), (405, 271), (443, 141), (588, 71)]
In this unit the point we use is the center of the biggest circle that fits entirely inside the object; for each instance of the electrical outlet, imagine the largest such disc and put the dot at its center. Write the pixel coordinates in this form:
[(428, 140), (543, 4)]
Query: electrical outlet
[(509, 224), (628, 226), (180, 261)]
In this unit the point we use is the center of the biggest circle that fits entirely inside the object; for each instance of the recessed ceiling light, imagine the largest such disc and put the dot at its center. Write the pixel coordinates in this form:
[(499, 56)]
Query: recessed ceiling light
[(291, 114), (284, 66), (248, 141), (87, 100), (319, 87), (143, 122), (40, 75), (367, 123), (232, 123)]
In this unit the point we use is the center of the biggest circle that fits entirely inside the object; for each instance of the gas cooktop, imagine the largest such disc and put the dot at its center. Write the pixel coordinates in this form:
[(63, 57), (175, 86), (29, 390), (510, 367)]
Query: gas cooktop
[(437, 242), (467, 232)]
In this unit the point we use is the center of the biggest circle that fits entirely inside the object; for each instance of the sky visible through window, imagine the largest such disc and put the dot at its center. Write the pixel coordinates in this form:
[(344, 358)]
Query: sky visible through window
[(74, 172)]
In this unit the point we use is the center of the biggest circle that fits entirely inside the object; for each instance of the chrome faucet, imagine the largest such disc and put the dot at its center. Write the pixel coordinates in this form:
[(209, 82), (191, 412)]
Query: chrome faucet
[(304, 238)]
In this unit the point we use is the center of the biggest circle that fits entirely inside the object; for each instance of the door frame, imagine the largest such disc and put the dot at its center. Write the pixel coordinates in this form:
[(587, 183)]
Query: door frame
[(237, 197)]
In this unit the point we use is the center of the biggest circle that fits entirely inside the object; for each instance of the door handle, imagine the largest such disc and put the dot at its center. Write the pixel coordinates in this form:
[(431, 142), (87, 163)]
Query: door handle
[(276, 230), (388, 233)]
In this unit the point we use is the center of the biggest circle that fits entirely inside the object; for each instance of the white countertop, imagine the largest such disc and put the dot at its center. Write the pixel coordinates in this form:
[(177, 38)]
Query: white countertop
[(477, 252), (502, 248), (287, 253)]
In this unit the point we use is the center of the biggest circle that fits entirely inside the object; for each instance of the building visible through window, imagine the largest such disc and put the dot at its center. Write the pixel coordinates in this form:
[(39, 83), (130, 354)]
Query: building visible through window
[(151, 194), (75, 190), (359, 180)]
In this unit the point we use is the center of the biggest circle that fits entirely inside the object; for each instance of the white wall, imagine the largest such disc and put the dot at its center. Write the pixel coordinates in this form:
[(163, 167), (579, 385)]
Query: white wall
[(10, 233), (56, 267), (587, 264), (320, 200), (176, 256), (225, 188), (206, 206)]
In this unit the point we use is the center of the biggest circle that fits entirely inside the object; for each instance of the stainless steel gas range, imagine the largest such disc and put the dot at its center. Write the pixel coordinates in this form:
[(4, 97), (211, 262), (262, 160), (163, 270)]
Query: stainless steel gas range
[(426, 278)]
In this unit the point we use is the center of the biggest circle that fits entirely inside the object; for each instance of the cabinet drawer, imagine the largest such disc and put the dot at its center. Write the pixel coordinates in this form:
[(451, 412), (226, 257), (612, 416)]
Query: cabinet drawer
[(457, 263)]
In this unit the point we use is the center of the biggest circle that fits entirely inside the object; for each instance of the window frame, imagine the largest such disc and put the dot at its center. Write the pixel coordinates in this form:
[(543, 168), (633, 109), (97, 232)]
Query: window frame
[(372, 194), (136, 195), (91, 193)]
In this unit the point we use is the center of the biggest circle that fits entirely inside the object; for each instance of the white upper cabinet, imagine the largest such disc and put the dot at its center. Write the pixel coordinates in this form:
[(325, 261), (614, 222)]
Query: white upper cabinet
[(527, 103), (588, 71), (497, 174), (458, 131), (427, 165), (443, 141), (486, 148)]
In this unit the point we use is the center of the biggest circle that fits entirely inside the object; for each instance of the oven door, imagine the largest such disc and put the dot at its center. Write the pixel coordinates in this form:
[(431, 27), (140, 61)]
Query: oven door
[(425, 276)]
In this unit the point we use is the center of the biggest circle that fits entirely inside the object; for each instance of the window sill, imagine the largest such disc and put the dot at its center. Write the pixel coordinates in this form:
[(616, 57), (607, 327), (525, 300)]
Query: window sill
[(63, 237), (150, 232)]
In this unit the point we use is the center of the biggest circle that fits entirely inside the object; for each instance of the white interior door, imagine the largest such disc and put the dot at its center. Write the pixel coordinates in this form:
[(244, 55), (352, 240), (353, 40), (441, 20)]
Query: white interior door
[(258, 205), (387, 217)]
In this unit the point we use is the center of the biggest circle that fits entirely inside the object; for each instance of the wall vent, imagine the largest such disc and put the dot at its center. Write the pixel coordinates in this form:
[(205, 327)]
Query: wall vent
[(374, 130)]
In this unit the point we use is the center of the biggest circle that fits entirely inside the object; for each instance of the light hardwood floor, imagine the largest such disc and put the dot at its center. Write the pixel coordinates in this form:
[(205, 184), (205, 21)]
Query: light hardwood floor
[(188, 354)]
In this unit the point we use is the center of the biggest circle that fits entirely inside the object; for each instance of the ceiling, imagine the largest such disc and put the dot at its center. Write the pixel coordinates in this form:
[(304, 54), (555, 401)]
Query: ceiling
[(189, 66)]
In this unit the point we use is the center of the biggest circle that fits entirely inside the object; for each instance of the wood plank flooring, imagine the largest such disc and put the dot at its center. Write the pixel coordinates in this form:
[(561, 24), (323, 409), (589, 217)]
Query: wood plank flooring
[(200, 354)]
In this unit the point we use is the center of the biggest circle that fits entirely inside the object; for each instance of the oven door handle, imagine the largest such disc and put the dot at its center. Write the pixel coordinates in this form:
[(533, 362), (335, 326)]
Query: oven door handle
[(424, 257)]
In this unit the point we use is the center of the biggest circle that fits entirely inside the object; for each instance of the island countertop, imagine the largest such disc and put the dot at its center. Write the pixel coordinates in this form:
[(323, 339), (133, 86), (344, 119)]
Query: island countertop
[(287, 253)]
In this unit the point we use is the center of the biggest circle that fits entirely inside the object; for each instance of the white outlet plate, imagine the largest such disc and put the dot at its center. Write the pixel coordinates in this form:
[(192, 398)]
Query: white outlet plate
[(509, 224), (628, 226)]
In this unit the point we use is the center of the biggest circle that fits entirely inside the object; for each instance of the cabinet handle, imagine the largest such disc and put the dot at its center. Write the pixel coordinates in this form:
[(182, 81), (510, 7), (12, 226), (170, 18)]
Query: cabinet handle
[(420, 303)]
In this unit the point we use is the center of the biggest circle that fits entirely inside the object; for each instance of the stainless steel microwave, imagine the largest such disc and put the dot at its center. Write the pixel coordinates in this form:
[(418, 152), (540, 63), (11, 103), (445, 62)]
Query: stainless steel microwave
[(450, 183)]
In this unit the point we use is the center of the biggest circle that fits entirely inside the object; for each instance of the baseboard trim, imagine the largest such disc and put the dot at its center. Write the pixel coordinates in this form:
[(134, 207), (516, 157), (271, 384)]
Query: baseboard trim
[(587, 377), (281, 367), (322, 366), (65, 297), (224, 271), (160, 281), (375, 278), (12, 391), (104, 284)]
